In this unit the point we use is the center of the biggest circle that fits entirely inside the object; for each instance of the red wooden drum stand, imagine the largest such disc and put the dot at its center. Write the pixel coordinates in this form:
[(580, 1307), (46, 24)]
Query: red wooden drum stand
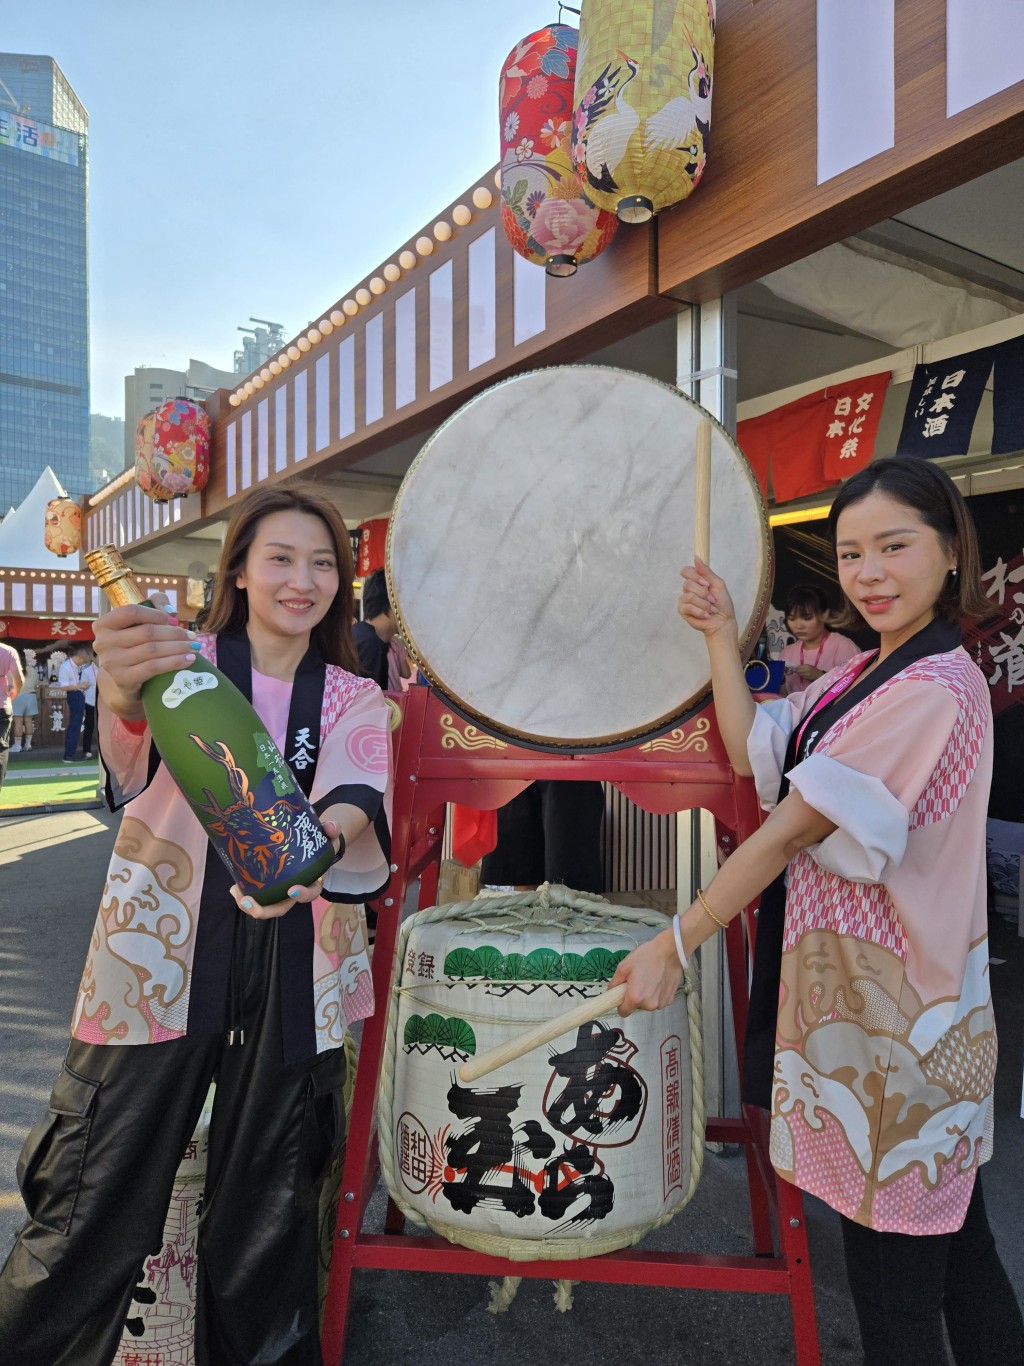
[(441, 758)]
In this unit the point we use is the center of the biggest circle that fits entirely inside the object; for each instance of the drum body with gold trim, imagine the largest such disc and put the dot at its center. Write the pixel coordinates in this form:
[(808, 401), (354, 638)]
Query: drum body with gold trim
[(534, 552)]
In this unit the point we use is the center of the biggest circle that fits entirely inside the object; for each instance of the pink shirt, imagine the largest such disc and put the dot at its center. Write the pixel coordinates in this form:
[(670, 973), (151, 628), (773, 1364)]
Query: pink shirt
[(8, 665), (885, 1048), (831, 651), (272, 697)]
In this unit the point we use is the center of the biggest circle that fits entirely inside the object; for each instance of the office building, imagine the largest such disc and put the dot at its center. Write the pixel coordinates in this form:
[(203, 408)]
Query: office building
[(259, 345), (44, 291), (150, 385)]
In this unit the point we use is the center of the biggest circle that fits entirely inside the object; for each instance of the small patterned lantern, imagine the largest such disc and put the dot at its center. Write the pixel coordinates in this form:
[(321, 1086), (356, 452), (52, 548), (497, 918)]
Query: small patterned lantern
[(543, 211), (172, 450), (643, 103), (373, 537), (63, 533)]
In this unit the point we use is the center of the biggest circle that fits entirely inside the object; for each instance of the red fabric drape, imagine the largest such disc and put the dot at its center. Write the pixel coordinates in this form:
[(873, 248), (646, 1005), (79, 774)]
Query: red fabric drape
[(373, 537), (815, 441), (474, 833)]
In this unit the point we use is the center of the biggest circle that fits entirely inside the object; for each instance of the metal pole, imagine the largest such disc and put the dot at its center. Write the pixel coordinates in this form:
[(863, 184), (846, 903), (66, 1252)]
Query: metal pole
[(706, 371)]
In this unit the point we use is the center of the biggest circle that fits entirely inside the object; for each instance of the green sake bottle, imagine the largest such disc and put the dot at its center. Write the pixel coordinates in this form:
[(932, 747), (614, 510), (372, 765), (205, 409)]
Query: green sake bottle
[(226, 765)]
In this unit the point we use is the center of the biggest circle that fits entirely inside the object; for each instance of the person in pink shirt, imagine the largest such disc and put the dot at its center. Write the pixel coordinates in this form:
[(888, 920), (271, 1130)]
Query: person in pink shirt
[(11, 679), (816, 649), (876, 781), (187, 979)]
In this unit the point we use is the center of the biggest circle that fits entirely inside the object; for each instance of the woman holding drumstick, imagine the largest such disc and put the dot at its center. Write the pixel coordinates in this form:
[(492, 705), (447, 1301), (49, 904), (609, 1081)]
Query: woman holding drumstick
[(876, 780)]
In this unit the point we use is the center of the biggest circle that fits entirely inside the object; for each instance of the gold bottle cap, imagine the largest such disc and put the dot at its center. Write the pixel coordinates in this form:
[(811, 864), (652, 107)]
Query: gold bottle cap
[(113, 576), (106, 564)]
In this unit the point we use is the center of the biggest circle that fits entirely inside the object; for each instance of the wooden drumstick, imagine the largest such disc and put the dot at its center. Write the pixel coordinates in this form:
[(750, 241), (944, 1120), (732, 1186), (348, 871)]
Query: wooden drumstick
[(702, 492), (593, 1008)]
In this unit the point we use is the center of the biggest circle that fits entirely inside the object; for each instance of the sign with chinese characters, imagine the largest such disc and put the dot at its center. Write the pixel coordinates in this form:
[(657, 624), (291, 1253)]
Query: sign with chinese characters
[(584, 1142), (943, 403), (854, 409), (1008, 397), (45, 628), (29, 136), (816, 440)]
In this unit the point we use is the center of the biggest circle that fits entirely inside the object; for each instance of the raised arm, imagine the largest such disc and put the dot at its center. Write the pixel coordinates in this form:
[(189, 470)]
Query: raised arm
[(653, 971), (705, 605)]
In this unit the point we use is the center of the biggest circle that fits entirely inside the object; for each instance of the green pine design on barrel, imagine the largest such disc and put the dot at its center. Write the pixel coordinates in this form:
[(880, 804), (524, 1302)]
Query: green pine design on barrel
[(490, 960), (541, 965), (463, 963), (448, 1034)]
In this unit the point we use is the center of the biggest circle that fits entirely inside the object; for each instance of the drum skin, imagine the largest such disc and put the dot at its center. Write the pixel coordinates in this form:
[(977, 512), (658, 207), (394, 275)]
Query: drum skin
[(572, 1150), (534, 553)]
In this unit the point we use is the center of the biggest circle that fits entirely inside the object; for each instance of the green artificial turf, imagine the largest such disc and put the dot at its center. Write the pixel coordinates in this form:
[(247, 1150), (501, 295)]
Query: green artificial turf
[(25, 787)]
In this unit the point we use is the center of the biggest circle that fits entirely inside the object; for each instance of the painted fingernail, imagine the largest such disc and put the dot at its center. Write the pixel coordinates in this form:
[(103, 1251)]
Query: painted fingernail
[(294, 891), (246, 904)]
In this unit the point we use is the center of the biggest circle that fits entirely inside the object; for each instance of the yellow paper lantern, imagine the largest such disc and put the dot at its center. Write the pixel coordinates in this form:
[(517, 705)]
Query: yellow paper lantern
[(642, 119), (62, 533)]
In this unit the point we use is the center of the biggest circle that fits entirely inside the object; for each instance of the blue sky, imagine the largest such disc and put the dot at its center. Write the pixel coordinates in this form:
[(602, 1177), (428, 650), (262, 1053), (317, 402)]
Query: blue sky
[(261, 158)]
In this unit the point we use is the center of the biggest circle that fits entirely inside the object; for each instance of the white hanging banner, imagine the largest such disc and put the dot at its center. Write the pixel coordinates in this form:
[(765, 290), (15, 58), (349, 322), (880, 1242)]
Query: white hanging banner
[(984, 50), (856, 83)]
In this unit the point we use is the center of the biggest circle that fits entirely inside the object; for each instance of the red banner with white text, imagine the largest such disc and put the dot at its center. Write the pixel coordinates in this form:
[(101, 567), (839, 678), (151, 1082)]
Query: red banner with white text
[(815, 441), (44, 628)]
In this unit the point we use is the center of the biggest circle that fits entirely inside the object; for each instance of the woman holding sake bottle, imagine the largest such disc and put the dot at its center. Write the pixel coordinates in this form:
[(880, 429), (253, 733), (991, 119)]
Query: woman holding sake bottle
[(188, 980), (875, 968)]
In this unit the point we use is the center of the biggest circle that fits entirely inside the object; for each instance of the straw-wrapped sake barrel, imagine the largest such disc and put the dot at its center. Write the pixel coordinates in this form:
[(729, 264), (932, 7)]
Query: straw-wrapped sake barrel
[(161, 1320), (575, 1149)]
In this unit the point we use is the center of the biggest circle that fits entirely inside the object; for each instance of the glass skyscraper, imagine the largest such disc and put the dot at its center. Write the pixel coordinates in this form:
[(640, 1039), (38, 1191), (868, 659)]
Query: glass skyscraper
[(44, 289)]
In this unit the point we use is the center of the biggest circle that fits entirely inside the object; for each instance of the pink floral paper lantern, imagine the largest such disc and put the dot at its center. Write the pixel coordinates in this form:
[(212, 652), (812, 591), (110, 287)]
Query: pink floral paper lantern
[(63, 527), (544, 214), (172, 450)]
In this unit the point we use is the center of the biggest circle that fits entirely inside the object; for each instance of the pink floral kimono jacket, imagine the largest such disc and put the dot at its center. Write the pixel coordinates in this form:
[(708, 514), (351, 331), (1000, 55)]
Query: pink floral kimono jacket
[(886, 1046), (160, 953)]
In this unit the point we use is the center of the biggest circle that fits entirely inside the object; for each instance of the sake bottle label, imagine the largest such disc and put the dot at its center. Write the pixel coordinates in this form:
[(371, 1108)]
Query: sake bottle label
[(261, 835), (186, 683), (270, 759)]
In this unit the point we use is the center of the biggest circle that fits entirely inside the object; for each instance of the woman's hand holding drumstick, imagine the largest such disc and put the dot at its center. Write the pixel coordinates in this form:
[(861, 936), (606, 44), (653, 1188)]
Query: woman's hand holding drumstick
[(591, 1009)]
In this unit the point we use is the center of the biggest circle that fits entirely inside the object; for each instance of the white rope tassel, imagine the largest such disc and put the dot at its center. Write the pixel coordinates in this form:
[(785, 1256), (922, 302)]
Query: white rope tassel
[(563, 1295), (503, 1293)]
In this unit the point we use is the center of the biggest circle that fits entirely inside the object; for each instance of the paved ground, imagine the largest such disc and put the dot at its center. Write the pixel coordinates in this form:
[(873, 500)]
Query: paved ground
[(51, 873)]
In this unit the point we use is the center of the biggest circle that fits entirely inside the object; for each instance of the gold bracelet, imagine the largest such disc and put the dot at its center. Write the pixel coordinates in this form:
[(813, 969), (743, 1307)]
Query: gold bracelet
[(723, 923)]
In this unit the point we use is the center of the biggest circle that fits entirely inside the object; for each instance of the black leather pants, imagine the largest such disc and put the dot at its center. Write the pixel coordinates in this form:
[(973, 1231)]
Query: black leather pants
[(96, 1175)]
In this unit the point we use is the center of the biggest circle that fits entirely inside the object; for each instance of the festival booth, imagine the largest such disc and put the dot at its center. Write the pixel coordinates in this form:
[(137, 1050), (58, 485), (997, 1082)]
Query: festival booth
[(714, 301), (49, 612)]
